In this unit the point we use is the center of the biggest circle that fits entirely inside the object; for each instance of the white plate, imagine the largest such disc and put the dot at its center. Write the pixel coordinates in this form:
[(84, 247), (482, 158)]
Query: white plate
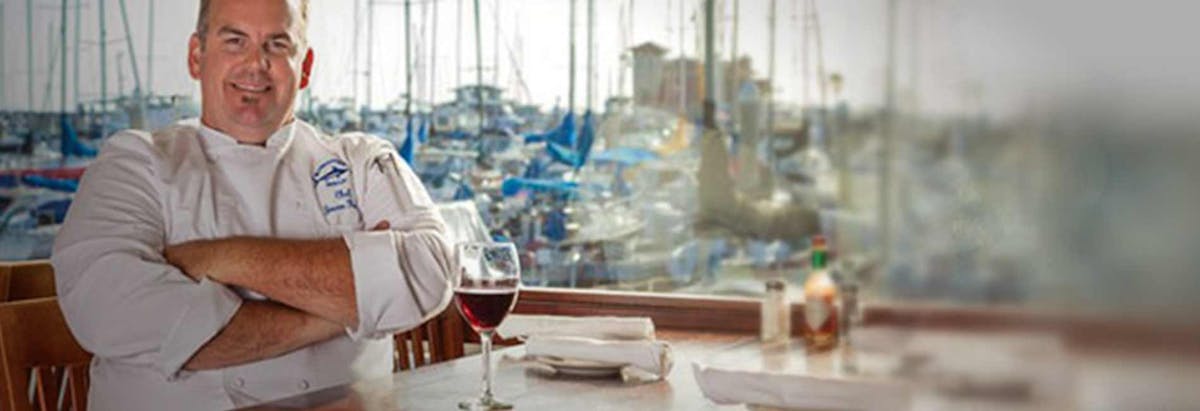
[(580, 368)]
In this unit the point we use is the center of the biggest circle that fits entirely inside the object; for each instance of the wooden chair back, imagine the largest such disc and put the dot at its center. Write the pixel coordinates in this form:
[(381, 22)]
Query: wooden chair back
[(24, 280), (442, 337), (35, 340), (439, 339)]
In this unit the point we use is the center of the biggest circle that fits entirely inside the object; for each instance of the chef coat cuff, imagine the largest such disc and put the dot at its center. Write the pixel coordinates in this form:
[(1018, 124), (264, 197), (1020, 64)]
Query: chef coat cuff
[(205, 313), (377, 281)]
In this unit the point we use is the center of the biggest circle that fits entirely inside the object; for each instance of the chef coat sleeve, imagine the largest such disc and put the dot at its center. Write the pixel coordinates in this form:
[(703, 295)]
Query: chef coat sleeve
[(120, 297), (402, 275)]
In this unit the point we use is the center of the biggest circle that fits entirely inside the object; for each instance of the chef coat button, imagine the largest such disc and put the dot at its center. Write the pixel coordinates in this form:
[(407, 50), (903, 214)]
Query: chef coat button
[(239, 382), (304, 384)]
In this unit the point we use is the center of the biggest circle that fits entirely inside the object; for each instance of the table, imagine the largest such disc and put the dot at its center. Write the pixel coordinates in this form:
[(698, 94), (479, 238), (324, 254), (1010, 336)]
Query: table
[(441, 386), (1099, 379)]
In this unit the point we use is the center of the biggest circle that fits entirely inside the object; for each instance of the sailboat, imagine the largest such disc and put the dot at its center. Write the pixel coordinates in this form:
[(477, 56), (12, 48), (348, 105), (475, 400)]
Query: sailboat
[(44, 153)]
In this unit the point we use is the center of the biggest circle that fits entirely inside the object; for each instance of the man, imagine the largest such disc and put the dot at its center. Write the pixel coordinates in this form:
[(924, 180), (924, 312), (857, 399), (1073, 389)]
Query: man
[(227, 262)]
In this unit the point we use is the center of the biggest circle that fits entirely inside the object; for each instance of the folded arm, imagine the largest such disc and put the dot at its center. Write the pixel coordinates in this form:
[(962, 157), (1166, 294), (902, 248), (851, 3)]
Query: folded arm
[(373, 282), (313, 276), (259, 330), (123, 301)]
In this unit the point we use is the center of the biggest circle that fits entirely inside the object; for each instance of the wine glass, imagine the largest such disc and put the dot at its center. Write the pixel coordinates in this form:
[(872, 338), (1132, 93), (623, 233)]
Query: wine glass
[(488, 275)]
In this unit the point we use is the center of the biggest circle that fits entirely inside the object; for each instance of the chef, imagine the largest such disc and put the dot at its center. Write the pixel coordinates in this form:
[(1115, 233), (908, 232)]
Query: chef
[(245, 256)]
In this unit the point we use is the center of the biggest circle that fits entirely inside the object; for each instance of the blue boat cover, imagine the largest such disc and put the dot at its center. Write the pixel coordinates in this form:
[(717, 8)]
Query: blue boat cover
[(564, 134), (56, 184), (409, 148), (513, 186), (71, 146), (423, 135), (575, 155)]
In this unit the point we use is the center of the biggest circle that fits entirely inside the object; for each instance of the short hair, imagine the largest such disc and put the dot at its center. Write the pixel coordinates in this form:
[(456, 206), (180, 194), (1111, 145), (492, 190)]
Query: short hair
[(300, 5)]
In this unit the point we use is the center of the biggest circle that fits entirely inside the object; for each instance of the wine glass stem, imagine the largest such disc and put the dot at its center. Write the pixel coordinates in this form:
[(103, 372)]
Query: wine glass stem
[(485, 339)]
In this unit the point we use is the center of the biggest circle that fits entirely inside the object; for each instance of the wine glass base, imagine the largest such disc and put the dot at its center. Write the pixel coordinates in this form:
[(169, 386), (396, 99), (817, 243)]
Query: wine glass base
[(482, 404)]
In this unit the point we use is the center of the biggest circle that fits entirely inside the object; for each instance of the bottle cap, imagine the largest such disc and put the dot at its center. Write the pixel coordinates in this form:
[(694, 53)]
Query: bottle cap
[(818, 241)]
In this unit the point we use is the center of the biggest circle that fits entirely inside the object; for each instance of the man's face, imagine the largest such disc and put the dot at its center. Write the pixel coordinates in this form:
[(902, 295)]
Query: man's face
[(250, 65)]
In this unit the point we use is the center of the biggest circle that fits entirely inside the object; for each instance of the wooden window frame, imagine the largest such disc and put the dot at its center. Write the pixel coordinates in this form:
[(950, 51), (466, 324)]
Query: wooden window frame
[(740, 315)]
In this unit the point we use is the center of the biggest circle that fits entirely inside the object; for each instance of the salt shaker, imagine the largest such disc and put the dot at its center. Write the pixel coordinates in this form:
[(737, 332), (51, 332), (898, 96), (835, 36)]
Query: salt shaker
[(776, 314), (851, 312)]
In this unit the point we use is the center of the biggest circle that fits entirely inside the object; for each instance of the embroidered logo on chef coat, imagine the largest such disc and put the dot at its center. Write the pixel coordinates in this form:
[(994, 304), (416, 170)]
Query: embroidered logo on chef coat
[(334, 190)]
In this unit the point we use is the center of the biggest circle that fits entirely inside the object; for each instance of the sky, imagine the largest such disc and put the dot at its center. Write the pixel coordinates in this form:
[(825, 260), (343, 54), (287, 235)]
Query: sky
[(956, 55), (533, 37)]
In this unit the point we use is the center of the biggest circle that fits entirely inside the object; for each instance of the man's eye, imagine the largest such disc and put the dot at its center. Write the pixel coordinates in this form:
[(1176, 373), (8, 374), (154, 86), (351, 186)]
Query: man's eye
[(234, 41)]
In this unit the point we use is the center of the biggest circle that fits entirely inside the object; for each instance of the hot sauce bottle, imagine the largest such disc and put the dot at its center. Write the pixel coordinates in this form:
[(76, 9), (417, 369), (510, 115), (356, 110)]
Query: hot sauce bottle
[(820, 325)]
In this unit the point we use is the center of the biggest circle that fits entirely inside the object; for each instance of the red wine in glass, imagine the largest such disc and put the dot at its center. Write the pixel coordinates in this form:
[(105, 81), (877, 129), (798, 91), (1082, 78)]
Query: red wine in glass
[(485, 308)]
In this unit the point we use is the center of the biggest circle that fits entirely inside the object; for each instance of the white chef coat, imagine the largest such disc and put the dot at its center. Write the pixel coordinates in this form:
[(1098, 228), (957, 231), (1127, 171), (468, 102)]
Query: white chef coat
[(143, 318)]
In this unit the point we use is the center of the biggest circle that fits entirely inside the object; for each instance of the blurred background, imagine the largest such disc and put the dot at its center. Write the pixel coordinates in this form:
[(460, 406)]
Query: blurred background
[(1013, 153)]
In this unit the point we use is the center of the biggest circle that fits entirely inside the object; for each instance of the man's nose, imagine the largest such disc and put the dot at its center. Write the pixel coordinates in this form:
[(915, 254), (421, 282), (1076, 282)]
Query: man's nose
[(259, 59)]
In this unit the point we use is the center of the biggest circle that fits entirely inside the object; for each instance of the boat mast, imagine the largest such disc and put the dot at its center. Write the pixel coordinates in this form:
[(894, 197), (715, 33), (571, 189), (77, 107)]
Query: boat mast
[(433, 57), (812, 36), (137, 77), (52, 63), (591, 54), (623, 38), (120, 73), (710, 77), (3, 75), (354, 72), (805, 74), (682, 74), (815, 19), (78, 5), (419, 44), (62, 87), (629, 36), (571, 69), (150, 50), (886, 160), (103, 55), (496, 43), (29, 50), (369, 72), (737, 67), (519, 59), (771, 73), (458, 48), (408, 77), (479, 66)]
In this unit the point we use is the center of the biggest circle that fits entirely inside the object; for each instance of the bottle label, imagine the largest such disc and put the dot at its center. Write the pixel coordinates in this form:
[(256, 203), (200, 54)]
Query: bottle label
[(816, 312)]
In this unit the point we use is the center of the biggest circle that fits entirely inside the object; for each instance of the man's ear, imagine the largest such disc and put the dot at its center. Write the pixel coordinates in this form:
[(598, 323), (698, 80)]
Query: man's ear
[(306, 68), (193, 57)]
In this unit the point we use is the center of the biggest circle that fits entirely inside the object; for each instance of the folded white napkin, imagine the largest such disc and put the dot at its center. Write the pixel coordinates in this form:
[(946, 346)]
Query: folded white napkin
[(638, 359), (605, 328), (798, 391)]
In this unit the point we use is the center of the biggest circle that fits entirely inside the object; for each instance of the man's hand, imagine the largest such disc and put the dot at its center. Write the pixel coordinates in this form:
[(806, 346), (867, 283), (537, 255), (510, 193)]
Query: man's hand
[(198, 259)]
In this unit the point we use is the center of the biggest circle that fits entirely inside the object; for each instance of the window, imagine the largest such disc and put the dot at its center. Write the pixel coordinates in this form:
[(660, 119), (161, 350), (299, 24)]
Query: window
[(974, 153)]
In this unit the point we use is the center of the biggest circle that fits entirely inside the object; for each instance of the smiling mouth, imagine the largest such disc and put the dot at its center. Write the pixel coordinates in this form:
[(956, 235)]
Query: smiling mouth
[(251, 88)]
